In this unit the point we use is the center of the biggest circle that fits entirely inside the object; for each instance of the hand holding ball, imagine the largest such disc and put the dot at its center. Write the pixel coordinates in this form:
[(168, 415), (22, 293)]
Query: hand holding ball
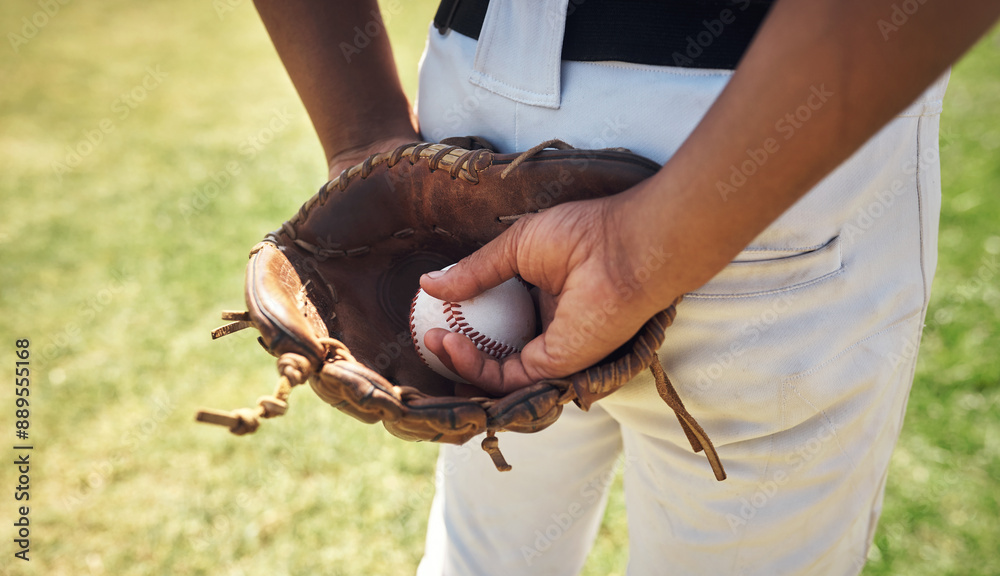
[(499, 322)]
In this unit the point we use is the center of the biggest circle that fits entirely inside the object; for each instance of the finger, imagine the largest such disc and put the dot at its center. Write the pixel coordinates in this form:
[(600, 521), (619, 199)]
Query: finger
[(477, 367), (433, 341), (484, 371), (462, 357), (471, 363), (537, 361), (486, 268), (545, 304), (562, 349)]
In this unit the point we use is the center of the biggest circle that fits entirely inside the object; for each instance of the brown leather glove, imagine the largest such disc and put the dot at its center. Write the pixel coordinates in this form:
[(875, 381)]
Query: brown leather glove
[(330, 290)]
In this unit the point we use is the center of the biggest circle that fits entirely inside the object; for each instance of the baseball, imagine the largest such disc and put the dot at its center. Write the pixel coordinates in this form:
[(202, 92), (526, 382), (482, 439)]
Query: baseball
[(499, 321)]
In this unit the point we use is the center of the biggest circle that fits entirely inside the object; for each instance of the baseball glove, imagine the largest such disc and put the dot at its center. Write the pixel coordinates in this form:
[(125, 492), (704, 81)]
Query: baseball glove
[(330, 290)]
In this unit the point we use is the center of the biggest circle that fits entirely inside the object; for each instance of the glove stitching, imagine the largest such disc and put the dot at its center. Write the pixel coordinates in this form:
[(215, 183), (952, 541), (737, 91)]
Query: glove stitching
[(464, 165)]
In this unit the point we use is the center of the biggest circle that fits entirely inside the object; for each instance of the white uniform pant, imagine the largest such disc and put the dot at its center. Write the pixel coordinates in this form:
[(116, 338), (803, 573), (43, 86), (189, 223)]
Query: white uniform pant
[(796, 359)]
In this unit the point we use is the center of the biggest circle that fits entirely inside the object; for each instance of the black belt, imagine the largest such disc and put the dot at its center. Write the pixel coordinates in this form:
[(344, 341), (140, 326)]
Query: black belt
[(686, 33)]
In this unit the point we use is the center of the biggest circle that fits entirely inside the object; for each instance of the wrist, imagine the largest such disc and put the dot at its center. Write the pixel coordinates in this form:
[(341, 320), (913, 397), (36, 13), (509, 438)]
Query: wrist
[(644, 261), (347, 157), (673, 243)]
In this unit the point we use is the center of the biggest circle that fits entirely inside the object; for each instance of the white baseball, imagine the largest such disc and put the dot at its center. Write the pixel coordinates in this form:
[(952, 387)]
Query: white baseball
[(499, 321)]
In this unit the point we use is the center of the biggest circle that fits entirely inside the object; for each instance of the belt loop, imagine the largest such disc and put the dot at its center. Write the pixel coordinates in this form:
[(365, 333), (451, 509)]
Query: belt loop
[(519, 52), (445, 14)]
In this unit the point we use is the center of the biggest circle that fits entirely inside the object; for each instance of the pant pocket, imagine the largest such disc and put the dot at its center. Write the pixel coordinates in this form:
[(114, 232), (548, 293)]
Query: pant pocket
[(763, 271)]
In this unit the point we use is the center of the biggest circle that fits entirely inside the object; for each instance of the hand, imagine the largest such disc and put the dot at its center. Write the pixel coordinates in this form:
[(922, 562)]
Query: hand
[(593, 297)]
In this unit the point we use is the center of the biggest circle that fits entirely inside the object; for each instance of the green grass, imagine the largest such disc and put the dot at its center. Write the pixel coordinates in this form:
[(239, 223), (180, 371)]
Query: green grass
[(117, 270), (943, 497)]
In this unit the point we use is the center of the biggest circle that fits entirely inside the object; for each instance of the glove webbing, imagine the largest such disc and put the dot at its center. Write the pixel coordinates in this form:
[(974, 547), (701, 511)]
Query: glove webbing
[(293, 370)]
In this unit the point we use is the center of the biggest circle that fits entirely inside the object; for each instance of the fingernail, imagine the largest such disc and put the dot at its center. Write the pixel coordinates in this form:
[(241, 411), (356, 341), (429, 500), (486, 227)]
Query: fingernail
[(435, 274)]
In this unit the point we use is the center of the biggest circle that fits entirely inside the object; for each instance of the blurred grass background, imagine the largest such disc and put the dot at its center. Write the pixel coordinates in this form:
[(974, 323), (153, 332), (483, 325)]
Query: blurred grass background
[(117, 263)]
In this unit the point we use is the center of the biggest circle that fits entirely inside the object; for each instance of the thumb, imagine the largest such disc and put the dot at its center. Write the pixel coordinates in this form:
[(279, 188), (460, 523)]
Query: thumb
[(485, 268)]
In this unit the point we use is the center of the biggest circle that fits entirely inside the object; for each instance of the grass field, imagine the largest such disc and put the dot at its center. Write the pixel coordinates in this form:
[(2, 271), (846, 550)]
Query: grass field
[(144, 147)]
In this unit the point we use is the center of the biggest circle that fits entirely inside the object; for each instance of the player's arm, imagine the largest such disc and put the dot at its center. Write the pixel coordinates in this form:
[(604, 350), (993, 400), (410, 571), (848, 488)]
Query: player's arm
[(835, 55), (353, 96), (830, 53)]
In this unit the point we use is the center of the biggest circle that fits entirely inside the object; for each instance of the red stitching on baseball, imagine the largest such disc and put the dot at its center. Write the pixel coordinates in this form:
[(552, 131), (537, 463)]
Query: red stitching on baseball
[(413, 330), (457, 323)]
